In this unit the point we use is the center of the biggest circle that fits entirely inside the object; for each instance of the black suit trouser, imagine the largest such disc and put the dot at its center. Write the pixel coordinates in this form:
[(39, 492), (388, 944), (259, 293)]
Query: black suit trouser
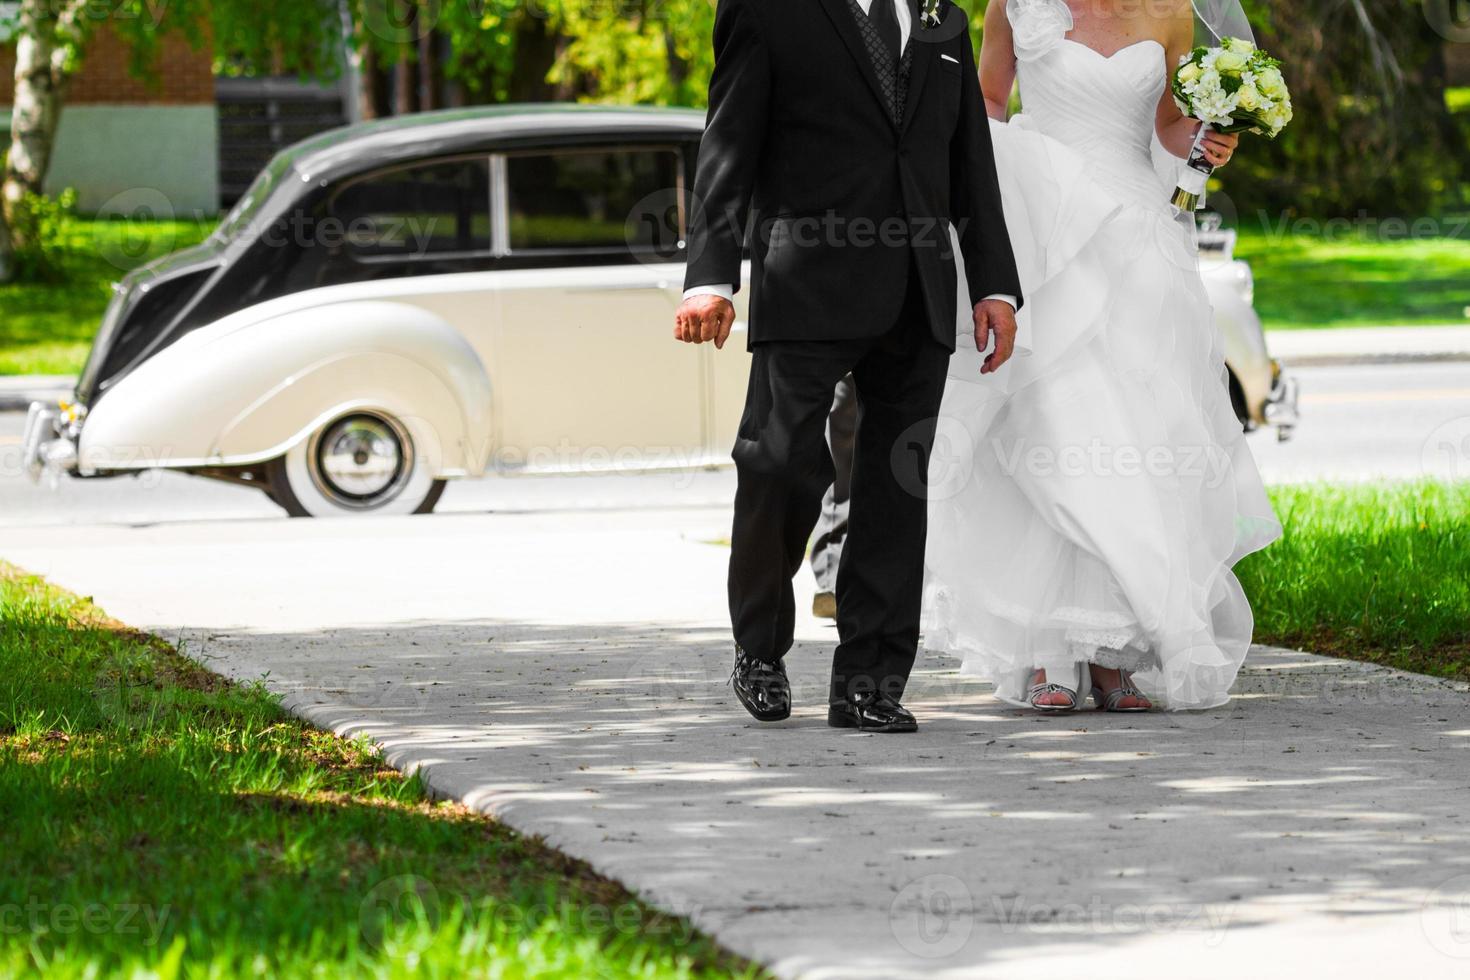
[(831, 529), (784, 469)]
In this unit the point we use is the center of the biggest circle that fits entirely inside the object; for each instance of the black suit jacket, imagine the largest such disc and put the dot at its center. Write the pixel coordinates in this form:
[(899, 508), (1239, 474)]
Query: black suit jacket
[(801, 152)]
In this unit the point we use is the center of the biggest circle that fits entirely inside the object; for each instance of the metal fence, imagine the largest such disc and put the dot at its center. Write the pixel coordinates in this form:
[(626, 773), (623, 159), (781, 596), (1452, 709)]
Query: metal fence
[(260, 116)]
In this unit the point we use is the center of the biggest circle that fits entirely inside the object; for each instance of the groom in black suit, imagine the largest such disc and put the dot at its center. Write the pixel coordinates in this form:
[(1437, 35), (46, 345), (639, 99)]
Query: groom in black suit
[(844, 138)]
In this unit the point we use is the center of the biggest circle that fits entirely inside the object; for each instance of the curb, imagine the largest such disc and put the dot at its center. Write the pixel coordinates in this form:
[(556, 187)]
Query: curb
[(1352, 346), (1357, 360), (17, 393), (21, 401)]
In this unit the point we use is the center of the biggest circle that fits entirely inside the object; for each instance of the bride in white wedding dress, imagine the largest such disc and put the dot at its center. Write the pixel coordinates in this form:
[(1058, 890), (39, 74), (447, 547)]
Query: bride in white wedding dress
[(1090, 500)]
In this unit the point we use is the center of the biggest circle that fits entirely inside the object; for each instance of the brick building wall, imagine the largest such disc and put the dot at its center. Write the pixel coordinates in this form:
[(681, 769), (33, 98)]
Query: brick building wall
[(185, 76), (124, 139)]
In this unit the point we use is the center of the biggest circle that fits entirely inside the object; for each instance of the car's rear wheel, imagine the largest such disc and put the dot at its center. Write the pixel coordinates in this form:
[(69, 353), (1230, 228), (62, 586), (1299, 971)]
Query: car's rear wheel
[(364, 462)]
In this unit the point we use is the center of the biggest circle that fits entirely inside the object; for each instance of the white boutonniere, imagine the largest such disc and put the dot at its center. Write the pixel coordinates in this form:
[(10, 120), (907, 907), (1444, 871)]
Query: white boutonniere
[(929, 13)]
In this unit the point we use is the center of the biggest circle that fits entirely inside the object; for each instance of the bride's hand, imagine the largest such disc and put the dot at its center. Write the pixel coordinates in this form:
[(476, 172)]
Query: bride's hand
[(1220, 147)]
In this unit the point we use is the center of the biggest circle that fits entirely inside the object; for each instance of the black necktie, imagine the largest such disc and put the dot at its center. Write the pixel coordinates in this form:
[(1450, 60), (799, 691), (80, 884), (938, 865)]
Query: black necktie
[(885, 21)]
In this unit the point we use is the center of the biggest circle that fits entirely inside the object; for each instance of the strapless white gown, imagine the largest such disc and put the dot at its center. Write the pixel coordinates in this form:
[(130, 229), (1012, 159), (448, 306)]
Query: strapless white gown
[(1090, 499)]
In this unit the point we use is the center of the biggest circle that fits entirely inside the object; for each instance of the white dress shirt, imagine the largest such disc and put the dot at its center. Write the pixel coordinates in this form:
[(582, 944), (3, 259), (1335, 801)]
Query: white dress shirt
[(905, 19), (905, 28)]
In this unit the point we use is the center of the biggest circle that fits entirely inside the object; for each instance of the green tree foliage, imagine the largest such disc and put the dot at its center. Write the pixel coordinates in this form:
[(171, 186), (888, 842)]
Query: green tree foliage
[(1372, 131), (647, 51), (637, 51)]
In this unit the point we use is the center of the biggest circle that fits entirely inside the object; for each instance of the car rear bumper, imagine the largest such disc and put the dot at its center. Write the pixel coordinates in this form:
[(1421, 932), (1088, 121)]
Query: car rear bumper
[(49, 447), (1281, 409)]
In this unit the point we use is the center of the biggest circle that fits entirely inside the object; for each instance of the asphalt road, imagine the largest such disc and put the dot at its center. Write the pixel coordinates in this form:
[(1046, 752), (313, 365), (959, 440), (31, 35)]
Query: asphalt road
[(1402, 421)]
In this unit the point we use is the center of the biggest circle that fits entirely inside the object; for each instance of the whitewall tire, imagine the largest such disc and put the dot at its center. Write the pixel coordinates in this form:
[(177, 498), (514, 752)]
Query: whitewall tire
[(362, 462)]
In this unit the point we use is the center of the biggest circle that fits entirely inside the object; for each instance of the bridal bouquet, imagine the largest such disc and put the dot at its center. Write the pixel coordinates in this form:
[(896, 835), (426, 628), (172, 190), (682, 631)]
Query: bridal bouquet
[(1233, 88)]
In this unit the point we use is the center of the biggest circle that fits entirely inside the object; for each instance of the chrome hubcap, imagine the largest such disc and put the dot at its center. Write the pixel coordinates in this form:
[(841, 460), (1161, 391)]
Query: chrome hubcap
[(361, 459)]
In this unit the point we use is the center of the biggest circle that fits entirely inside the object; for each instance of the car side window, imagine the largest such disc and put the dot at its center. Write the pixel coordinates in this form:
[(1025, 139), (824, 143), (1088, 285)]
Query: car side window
[(430, 209), (595, 202)]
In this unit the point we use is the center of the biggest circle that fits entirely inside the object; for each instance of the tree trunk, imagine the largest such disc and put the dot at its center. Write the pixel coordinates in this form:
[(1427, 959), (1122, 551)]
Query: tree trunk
[(7, 252), (428, 71), (367, 83), (536, 51), (403, 83), (678, 68), (49, 34)]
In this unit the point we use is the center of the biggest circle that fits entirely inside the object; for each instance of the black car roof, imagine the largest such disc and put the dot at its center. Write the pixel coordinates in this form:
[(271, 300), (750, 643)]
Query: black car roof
[(365, 146)]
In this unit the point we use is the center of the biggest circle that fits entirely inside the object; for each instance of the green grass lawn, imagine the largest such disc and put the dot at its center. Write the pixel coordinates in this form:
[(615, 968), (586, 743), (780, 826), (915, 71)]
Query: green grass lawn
[(1349, 279), (48, 328), (1379, 573), (161, 821)]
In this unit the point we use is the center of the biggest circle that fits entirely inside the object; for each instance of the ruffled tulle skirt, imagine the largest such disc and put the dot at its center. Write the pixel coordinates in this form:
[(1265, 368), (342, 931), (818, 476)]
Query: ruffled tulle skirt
[(1090, 499)]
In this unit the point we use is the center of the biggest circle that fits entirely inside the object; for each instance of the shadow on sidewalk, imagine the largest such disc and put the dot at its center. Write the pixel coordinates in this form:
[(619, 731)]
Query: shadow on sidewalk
[(1326, 788)]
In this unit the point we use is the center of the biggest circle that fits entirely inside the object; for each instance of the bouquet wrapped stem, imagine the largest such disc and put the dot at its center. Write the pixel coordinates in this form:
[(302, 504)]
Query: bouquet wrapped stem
[(1233, 88), (1189, 195)]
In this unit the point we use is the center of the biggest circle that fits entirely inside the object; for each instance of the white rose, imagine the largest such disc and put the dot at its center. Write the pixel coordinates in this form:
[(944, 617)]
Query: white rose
[(1276, 118), (1272, 83), (1247, 97), (1239, 44), (1231, 61), (1190, 72)]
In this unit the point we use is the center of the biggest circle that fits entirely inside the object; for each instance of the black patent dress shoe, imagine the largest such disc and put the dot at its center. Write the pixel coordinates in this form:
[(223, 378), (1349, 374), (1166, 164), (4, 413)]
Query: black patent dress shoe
[(762, 687), (871, 711)]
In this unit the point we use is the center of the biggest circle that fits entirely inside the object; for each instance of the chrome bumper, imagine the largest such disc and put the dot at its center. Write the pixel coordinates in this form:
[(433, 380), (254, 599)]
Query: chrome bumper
[(1281, 409), (49, 447)]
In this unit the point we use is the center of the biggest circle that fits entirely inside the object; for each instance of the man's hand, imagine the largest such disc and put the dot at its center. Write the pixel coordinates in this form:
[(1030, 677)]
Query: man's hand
[(704, 318), (995, 317)]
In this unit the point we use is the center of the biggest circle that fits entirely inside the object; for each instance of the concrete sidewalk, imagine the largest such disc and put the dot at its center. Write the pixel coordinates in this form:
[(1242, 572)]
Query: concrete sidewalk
[(567, 674), (18, 391), (1369, 345)]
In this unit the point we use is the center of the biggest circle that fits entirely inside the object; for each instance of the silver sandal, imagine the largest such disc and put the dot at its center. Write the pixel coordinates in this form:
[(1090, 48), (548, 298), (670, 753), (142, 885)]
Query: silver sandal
[(1109, 700), (1037, 690)]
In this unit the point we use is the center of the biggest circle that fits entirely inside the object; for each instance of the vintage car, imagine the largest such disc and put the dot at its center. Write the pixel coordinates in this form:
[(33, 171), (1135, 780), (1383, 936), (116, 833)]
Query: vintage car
[(1260, 391), (400, 303)]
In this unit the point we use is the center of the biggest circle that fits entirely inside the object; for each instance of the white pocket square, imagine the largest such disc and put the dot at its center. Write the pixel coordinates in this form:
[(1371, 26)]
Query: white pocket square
[(947, 57)]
